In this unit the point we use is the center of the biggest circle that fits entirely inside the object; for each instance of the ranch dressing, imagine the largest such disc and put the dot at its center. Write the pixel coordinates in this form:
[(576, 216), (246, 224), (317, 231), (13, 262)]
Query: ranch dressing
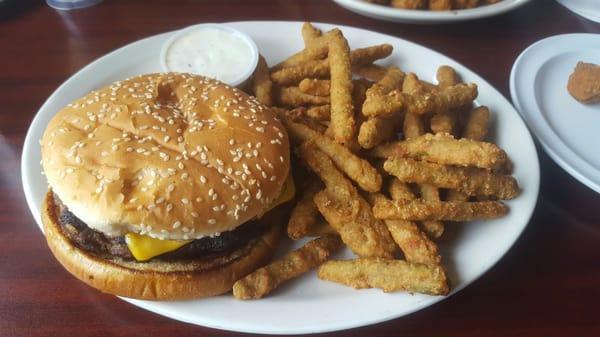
[(211, 52)]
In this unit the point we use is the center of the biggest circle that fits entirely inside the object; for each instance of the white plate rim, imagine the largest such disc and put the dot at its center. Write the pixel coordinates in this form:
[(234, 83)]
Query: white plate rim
[(587, 14), (552, 143), (533, 191), (424, 16)]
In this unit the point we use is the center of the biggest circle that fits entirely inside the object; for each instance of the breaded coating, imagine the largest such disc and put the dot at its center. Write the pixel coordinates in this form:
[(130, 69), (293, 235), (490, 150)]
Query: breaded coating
[(447, 77), (419, 210), (305, 214), (373, 72), (415, 245), (295, 74), (473, 181), (353, 219), (436, 102), (389, 275), (293, 97), (409, 4), (342, 122), (345, 210), (434, 229), (476, 127), (445, 149), (319, 112), (317, 49), (440, 5), (321, 68), (310, 33), (378, 129), (262, 281), (315, 86), (261, 83), (584, 83), (357, 169), (400, 190)]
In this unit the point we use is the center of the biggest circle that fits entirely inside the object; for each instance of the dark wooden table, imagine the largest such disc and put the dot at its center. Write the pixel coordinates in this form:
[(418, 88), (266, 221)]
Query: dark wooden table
[(547, 285)]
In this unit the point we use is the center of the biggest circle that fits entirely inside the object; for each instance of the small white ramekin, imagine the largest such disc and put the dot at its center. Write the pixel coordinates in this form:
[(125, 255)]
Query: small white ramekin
[(243, 36)]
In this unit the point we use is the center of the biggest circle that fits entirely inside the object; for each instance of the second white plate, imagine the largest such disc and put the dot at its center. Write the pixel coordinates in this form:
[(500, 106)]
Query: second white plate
[(566, 128)]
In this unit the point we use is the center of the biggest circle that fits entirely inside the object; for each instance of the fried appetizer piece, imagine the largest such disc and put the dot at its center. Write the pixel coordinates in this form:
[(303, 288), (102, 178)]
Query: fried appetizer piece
[(293, 97), (261, 83), (584, 83), (447, 77), (445, 122), (470, 180), (357, 169), (353, 219), (320, 68), (345, 210), (342, 120), (413, 125), (419, 210), (317, 49), (440, 5), (415, 245), (377, 129), (310, 33), (321, 228), (434, 228), (295, 74), (319, 112), (445, 149), (373, 72), (395, 102), (388, 275), (477, 124), (264, 280), (400, 190), (315, 86), (305, 214), (409, 4)]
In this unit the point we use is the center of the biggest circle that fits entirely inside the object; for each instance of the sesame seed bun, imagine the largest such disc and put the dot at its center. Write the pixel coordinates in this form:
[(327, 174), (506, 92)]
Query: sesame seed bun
[(156, 280), (172, 156)]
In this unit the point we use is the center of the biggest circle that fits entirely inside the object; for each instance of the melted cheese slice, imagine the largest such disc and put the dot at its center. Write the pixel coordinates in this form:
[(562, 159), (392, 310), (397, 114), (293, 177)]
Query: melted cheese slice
[(143, 247)]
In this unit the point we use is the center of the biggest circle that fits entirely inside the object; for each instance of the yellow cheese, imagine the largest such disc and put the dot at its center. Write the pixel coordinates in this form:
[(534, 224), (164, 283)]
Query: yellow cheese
[(143, 247)]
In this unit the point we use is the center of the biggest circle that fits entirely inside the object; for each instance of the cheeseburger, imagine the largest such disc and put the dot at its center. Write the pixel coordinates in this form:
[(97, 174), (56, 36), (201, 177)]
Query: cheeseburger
[(161, 186)]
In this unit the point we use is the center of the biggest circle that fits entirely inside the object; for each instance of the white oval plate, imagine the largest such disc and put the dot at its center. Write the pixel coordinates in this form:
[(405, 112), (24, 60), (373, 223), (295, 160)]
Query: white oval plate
[(589, 9), (425, 16), (309, 305), (567, 129)]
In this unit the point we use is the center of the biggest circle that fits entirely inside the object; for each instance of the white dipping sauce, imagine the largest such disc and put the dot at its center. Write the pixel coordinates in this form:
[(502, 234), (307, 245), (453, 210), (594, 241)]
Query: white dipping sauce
[(211, 52)]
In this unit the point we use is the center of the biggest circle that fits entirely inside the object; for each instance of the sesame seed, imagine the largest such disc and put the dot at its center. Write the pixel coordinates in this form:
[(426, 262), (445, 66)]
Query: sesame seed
[(169, 207), (176, 224), (185, 201), (212, 221)]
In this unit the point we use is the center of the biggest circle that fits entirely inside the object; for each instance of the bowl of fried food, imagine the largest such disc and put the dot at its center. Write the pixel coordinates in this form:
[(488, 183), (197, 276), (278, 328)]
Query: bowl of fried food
[(429, 11), (385, 160)]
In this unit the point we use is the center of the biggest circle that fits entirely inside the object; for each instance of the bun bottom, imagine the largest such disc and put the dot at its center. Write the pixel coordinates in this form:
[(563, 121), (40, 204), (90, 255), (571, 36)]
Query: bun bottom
[(156, 280)]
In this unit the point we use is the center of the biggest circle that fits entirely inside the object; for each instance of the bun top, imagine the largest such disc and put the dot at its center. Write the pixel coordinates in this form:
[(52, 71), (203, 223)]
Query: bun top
[(173, 156)]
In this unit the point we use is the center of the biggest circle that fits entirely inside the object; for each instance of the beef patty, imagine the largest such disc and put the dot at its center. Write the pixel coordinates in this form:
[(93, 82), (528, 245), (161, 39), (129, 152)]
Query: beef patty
[(100, 244)]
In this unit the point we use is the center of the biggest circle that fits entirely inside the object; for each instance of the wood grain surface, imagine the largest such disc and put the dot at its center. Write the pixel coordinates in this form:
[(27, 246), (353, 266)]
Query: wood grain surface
[(547, 285)]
